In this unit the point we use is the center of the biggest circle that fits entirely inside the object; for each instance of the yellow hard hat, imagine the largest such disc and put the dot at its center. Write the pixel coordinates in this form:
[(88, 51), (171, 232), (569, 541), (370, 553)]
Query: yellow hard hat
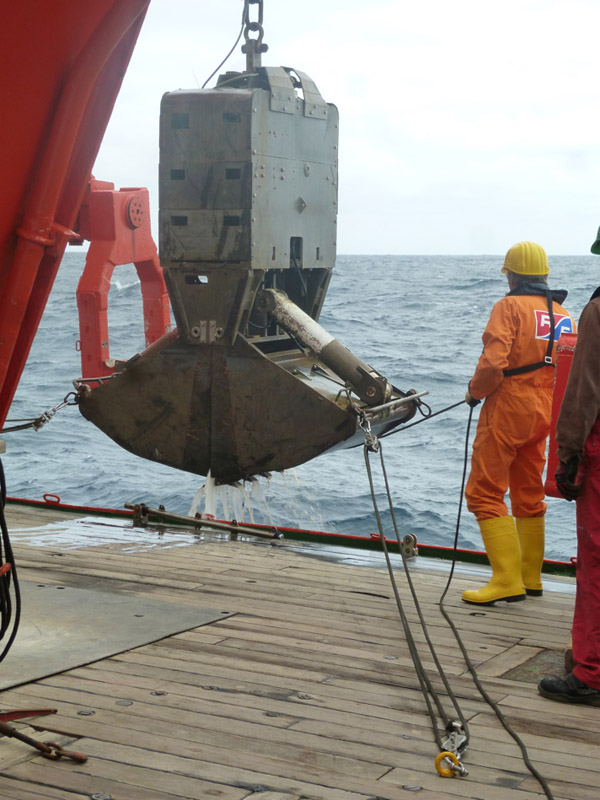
[(526, 258)]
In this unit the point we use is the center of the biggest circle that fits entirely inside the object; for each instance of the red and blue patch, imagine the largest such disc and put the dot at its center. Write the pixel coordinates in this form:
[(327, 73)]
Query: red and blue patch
[(562, 324)]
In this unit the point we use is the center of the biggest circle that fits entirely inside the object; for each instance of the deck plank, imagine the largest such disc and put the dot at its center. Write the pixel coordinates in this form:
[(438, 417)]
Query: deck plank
[(308, 691)]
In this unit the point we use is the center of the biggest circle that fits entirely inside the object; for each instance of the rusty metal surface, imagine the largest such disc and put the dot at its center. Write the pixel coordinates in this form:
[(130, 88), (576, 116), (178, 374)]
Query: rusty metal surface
[(50, 750), (228, 409)]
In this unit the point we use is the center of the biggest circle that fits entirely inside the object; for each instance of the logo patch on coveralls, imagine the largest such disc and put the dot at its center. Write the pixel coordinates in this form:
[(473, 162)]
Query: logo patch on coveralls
[(562, 324)]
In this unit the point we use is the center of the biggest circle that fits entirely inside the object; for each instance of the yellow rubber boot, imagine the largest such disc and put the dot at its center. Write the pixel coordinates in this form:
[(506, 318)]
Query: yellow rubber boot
[(532, 537), (504, 554)]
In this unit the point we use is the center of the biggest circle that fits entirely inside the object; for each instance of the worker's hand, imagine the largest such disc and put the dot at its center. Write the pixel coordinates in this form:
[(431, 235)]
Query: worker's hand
[(470, 400), (565, 477)]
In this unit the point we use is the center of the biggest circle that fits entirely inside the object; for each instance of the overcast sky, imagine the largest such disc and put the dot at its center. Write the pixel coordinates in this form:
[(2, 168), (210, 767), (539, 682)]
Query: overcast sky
[(465, 126)]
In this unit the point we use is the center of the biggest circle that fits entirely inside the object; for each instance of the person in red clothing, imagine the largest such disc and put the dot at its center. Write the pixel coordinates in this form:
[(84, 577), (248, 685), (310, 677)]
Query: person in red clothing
[(515, 376), (578, 478)]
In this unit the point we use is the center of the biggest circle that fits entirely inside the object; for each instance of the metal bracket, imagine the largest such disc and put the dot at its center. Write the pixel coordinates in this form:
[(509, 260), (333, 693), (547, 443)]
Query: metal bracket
[(283, 96), (409, 549), (314, 105)]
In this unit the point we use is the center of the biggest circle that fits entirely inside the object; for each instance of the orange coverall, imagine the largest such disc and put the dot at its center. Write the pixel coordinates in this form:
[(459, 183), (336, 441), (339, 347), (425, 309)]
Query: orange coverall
[(510, 446)]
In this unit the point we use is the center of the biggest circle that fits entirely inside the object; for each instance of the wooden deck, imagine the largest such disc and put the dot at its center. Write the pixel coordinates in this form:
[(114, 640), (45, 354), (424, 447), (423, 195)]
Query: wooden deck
[(306, 691)]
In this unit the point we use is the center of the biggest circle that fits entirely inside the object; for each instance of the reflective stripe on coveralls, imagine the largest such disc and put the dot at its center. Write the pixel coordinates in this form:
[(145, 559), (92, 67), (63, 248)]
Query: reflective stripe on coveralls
[(510, 445)]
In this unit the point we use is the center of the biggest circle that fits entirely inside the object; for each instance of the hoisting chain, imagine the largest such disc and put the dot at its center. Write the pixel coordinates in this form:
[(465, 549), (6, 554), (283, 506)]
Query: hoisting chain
[(448, 762), (38, 422), (253, 47), (454, 744)]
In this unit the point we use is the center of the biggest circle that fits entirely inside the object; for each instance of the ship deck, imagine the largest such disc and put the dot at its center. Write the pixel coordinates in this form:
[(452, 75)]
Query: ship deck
[(269, 670)]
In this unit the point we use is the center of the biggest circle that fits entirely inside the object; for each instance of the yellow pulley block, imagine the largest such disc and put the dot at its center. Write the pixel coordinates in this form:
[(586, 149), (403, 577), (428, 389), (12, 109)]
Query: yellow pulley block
[(447, 772)]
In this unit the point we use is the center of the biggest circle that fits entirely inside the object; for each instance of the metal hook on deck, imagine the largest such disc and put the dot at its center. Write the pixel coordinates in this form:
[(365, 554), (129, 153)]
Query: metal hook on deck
[(448, 762), (452, 765)]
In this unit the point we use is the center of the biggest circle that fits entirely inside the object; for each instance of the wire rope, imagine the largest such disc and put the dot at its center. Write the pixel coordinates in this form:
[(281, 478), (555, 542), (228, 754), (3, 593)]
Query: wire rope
[(235, 44), (470, 666), (430, 695), (424, 680)]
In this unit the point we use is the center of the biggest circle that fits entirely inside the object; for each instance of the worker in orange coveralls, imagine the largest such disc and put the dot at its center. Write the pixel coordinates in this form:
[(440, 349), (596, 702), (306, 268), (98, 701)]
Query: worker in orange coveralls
[(515, 375), (578, 478)]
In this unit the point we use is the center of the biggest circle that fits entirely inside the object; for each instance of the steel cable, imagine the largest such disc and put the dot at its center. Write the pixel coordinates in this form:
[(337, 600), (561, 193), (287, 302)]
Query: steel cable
[(470, 666), (422, 676), (429, 693)]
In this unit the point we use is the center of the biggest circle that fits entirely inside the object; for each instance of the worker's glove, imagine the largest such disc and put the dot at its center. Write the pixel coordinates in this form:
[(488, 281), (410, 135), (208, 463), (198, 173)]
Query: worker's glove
[(565, 477), (470, 400)]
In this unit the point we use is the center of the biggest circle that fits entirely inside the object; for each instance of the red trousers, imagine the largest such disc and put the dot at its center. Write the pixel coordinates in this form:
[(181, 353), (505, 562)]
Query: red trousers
[(586, 623)]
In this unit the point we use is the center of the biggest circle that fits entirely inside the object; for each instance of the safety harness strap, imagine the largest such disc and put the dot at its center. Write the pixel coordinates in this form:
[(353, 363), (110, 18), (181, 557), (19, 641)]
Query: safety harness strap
[(547, 362)]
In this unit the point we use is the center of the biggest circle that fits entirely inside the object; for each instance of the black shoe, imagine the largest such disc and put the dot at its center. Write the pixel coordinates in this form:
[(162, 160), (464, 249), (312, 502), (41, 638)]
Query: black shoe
[(569, 690)]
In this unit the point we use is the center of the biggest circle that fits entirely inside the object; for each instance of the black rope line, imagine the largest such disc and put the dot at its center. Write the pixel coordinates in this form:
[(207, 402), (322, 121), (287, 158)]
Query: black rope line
[(425, 417), (235, 44), (38, 422), (10, 576), (470, 666), (424, 680)]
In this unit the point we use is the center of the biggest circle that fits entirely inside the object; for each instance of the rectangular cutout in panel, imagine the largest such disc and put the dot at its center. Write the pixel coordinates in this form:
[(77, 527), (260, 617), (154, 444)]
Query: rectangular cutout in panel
[(179, 222), (179, 120), (296, 250), (231, 116), (231, 221), (177, 174), (194, 280), (233, 174)]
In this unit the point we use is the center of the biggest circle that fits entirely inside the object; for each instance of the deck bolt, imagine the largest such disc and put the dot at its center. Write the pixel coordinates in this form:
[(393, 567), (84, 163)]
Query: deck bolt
[(102, 796), (158, 693), (86, 712), (124, 702)]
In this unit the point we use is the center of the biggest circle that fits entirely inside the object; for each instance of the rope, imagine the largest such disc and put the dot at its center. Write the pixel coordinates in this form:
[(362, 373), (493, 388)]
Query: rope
[(235, 44), (429, 693), (7, 562), (427, 416), (38, 422), (423, 678), (470, 666)]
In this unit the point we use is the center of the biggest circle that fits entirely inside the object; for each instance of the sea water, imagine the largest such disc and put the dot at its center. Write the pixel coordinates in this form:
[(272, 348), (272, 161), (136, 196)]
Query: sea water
[(417, 319)]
